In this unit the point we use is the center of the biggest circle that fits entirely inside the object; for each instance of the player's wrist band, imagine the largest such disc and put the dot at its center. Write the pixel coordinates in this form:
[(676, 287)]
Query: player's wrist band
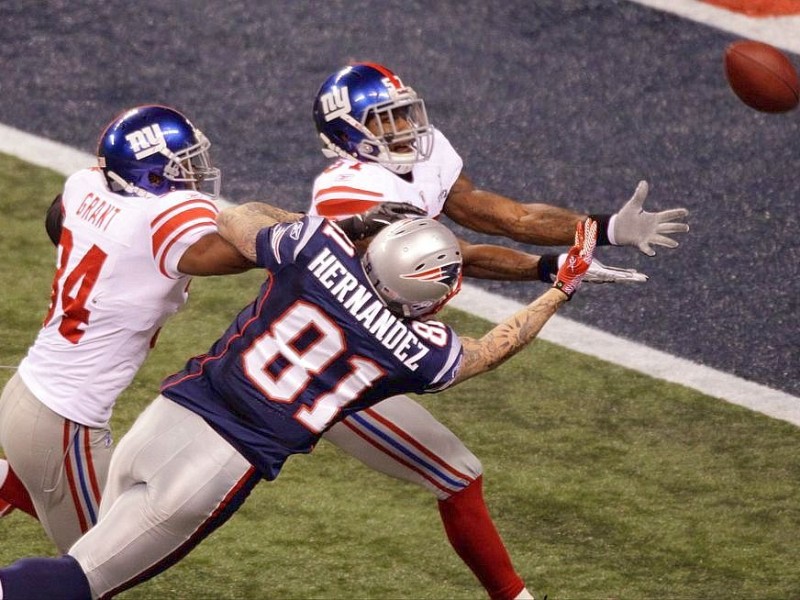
[(602, 229), (547, 267)]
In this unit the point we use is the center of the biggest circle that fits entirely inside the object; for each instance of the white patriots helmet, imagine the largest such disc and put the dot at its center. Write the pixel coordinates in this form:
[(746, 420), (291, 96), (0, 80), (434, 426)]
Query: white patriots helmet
[(415, 265), (368, 93)]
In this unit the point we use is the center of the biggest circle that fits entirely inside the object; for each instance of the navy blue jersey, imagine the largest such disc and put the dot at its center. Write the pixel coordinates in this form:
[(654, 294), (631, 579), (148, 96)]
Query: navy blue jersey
[(316, 345)]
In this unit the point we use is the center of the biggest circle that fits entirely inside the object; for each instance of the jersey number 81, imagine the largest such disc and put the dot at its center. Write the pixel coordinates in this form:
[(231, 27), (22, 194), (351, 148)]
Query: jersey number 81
[(328, 345)]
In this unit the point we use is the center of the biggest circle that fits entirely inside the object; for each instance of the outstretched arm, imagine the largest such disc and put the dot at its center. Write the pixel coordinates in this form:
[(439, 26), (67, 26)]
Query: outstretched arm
[(547, 225), (240, 224), (210, 255), (487, 261), (509, 337), (213, 255), (513, 334), (491, 213)]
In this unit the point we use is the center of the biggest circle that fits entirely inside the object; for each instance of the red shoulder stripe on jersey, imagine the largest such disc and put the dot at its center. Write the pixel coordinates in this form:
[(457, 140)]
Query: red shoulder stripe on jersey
[(162, 261), (166, 229), (180, 206), (333, 209), (347, 190)]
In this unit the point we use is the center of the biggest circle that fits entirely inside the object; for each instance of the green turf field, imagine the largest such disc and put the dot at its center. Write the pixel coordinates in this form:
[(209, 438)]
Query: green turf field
[(604, 483)]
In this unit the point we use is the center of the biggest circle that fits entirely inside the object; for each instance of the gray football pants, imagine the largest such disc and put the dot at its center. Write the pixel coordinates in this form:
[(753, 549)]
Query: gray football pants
[(62, 464)]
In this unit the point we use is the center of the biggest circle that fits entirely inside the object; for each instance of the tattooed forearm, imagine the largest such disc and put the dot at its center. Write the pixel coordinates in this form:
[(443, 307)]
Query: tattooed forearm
[(509, 337), (240, 224)]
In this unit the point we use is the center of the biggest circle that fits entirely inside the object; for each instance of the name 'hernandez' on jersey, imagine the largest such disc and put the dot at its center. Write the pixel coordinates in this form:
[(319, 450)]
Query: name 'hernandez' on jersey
[(311, 349)]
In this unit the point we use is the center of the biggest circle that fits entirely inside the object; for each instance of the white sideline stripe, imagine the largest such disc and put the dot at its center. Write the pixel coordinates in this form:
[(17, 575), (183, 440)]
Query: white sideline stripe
[(494, 308), (43, 152), (638, 357), (782, 32)]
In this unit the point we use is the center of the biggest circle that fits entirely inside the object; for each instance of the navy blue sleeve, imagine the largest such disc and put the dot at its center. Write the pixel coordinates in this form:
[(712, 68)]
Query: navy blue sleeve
[(277, 246)]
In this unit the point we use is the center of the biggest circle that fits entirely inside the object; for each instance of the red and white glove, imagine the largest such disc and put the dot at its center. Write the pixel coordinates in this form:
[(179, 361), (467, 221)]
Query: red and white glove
[(579, 257)]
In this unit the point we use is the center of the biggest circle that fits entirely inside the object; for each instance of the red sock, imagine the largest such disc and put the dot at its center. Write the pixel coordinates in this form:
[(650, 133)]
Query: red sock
[(13, 492), (475, 539)]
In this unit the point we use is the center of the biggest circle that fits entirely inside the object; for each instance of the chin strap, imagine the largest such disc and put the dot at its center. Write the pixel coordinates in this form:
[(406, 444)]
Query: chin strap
[(127, 186)]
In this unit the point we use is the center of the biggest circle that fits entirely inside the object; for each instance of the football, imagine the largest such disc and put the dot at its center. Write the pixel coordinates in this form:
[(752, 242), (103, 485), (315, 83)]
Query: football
[(762, 76)]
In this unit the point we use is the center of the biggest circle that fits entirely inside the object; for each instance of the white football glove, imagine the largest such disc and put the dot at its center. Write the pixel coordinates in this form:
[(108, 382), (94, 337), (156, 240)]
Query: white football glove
[(600, 273), (632, 226)]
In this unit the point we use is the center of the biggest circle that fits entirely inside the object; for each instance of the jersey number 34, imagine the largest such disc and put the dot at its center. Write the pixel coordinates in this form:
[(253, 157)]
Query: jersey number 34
[(74, 289)]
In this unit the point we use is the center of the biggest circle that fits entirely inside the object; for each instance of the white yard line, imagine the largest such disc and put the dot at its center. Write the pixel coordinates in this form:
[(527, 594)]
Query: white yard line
[(782, 32), (638, 357), (565, 332)]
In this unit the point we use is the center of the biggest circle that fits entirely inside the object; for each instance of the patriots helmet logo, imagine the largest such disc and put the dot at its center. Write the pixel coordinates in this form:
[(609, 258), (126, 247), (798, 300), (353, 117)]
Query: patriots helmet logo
[(447, 274)]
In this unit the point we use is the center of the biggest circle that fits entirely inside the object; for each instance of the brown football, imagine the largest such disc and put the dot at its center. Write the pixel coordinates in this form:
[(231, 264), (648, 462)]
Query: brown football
[(762, 76)]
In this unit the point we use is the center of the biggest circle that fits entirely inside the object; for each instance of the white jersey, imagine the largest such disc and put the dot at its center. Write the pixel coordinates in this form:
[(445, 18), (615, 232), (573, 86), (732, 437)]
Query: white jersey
[(350, 187), (117, 283)]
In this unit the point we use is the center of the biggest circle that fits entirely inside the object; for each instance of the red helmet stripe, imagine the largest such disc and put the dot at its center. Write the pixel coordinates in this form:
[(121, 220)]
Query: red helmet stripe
[(386, 73)]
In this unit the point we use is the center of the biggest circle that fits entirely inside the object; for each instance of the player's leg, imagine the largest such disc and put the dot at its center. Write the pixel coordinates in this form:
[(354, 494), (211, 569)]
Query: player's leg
[(173, 480), (400, 438), (61, 464), (5, 506), (13, 493)]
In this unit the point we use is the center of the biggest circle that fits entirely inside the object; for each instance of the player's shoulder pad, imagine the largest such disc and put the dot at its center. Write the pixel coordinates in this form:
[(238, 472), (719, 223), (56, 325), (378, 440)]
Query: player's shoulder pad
[(282, 242)]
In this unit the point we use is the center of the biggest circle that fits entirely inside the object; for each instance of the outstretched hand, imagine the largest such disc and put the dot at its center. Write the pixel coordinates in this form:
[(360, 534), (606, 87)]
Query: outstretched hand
[(367, 224), (600, 273), (579, 258), (633, 226)]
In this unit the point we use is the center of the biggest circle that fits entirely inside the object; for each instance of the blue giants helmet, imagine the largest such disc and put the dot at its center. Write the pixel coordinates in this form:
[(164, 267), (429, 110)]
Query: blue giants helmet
[(370, 94), (151, 150)]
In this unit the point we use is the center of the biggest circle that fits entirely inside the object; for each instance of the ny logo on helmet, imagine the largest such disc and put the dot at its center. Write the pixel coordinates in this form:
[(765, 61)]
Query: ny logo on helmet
[(335, 103), (147, 141)]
